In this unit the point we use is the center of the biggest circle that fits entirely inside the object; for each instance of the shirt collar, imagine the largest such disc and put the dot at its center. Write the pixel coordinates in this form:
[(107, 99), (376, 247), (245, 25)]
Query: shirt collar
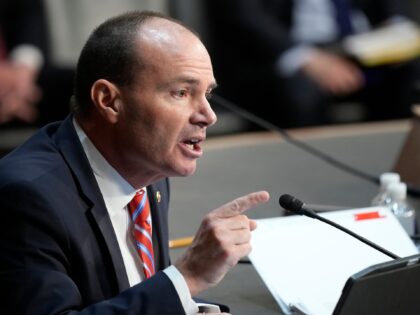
[(116, 191)]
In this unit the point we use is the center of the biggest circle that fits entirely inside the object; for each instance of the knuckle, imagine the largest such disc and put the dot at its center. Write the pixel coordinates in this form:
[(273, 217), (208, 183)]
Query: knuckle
[(217, 234), (243, 218), (235, 207), (208, 221), (255, 198)]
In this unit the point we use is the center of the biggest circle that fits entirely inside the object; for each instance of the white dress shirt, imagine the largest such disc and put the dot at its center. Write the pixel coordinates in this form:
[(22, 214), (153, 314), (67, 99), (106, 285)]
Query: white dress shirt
[(117, 193)]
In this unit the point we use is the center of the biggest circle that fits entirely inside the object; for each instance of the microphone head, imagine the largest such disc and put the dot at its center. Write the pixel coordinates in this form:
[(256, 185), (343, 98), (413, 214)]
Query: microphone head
[(291, 203)]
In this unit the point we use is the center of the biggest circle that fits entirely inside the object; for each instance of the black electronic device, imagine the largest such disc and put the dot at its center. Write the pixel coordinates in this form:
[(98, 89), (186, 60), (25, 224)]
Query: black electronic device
[(388, 288)]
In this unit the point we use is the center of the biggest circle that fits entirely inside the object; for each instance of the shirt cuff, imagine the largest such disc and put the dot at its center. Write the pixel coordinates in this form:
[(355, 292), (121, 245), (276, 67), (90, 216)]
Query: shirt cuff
[(293, 59), (27, 55), (182, 289)]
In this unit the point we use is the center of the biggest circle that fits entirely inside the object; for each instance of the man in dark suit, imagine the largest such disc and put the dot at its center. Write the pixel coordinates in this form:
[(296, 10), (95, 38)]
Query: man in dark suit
[(286, 55), (140, 116)]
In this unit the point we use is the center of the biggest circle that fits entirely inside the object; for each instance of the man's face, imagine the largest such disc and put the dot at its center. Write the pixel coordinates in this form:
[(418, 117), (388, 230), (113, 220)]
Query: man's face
[(166, 111)]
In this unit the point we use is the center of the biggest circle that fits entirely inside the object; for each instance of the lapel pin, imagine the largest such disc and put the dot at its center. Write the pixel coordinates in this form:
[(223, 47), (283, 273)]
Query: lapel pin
[(158, 196)]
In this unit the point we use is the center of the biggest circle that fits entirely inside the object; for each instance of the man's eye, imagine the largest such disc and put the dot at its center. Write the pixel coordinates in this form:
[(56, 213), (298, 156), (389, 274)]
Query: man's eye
[(180, 93)]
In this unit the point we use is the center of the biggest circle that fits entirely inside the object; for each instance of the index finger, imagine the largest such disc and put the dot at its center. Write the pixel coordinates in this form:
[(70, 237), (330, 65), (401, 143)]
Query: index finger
[(241, 204)]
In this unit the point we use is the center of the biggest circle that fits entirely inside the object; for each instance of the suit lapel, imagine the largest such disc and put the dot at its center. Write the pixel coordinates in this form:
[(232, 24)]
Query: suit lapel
[(72, 151), (158, 205)]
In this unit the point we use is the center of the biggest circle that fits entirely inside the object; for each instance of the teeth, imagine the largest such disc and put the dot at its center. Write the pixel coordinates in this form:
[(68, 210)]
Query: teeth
[(192, 144)]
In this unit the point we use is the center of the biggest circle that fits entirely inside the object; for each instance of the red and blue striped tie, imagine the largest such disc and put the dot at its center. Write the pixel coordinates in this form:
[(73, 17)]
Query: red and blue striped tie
[(140, 214)]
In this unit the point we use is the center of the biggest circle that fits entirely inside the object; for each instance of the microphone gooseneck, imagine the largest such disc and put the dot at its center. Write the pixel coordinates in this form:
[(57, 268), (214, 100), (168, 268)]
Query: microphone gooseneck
[(217, 99), (294, 205)]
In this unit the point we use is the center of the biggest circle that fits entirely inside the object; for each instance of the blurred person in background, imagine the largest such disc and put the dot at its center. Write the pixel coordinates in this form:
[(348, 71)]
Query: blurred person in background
[(22, 50), (69, 26), (283, 60), (39, 45), (71, 22)]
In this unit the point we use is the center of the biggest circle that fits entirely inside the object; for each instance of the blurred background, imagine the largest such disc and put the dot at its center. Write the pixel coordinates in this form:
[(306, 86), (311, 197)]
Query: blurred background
[(282, 60)]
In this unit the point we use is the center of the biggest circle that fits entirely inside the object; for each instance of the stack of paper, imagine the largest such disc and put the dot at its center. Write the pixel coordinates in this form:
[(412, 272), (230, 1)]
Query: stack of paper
[(393, 43), (305, 263)]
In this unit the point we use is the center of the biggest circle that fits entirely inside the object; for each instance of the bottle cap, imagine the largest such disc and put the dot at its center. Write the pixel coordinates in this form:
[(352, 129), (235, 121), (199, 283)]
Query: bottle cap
[(398, 190), (388, 178)]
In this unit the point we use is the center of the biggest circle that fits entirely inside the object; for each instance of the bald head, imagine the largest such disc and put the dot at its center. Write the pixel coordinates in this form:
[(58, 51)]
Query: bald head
[(125, 45), (161, 43), (165, 34)]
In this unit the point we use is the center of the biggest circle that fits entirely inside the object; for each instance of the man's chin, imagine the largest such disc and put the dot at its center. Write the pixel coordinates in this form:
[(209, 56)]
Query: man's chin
[(186, 170)]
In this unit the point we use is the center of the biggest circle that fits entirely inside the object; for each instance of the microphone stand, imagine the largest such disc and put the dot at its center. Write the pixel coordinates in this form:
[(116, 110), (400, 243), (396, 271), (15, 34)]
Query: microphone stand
[(411, 190)]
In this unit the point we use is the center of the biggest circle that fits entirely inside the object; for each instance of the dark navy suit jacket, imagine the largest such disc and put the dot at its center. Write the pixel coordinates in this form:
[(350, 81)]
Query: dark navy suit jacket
[(58, 250)]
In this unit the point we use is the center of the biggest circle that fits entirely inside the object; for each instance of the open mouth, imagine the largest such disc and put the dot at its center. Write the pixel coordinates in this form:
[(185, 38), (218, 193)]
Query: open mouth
[(193, 144), (193, 147)]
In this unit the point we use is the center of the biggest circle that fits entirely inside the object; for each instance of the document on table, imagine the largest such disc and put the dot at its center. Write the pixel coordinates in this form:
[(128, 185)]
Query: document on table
[(392, 43), (305, 263)]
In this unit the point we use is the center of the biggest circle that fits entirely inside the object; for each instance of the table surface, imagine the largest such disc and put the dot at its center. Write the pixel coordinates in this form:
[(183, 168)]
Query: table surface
[(235, 165)]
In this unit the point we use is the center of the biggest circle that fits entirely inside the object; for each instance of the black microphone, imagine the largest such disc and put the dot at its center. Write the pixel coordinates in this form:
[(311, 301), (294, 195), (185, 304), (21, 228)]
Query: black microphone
[(294, 205)]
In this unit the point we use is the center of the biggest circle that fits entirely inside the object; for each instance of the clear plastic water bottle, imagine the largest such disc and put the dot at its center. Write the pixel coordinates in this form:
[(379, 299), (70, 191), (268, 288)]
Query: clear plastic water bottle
[(382, 198), (399, 207)]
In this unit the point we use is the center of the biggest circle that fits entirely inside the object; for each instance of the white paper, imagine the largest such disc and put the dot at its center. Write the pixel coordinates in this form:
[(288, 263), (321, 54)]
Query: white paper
[(392, 43), (305, 262)]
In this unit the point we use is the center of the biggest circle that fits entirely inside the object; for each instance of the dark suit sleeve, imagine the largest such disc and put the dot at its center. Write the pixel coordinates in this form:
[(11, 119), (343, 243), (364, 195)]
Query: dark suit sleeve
[(37, 275), (378, 12), (260, 26)]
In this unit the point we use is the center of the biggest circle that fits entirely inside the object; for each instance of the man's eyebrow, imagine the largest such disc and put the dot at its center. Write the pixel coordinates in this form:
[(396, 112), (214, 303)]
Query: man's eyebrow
[(193, 81), (213, 86)]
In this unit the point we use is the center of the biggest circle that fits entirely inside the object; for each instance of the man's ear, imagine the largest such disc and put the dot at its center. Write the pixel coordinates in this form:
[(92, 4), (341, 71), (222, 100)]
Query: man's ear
[(106, 97)]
